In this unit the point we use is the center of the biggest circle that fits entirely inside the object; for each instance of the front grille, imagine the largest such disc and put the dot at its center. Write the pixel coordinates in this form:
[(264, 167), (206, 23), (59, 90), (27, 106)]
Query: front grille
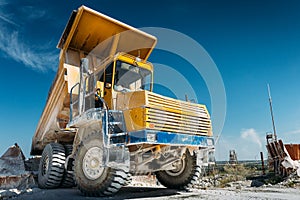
[(171, 115)]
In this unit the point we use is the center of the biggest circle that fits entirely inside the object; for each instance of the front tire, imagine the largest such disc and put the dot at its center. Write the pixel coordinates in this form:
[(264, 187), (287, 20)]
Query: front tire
[(51, 166), (183, 177), (91, 177)]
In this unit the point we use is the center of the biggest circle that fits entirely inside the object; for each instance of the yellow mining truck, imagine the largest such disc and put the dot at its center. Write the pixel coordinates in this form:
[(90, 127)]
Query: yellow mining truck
[(102, 122)]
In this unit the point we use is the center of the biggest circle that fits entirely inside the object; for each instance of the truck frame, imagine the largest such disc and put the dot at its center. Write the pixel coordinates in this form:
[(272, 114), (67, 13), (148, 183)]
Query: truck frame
[(102, 123)]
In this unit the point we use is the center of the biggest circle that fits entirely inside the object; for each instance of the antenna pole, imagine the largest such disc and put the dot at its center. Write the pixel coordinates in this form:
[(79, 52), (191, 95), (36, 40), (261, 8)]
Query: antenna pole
[(272, 115), (186, 98)]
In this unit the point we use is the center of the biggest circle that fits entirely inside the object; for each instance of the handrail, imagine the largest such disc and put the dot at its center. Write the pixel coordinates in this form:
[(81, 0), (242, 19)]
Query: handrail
[(71, 101)]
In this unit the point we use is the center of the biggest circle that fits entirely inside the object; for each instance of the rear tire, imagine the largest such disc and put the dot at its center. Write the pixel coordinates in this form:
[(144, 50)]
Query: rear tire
[(91, 178), (51, 166), (183, 177), (128, 180), (68, 177)]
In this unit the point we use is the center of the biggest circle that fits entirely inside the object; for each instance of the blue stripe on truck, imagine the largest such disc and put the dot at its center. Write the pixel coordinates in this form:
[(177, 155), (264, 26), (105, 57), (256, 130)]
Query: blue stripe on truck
[(160, 137)]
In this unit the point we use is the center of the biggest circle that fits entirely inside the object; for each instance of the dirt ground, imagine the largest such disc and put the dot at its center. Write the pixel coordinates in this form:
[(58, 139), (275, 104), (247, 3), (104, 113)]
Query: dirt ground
[(161, 193), (146, 188), (230, 184)]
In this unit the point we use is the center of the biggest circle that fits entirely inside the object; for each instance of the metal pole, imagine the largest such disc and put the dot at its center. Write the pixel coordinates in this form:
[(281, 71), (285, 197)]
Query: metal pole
[(262, 162), (271, 109)]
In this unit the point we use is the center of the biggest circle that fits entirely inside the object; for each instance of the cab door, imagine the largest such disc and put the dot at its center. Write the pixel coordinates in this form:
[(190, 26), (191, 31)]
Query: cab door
[(107, 78)]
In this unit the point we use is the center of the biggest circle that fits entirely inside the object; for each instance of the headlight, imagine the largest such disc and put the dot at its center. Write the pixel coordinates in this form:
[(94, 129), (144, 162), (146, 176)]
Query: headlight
[(210, 142)]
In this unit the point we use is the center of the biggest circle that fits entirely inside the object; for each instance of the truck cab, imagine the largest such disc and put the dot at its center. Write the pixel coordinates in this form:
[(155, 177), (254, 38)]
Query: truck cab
[(121, 74)]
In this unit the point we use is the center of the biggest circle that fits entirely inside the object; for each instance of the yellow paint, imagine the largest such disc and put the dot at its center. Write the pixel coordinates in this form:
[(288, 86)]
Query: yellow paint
[(158, 149), (134, 119), (141, 113), (132, 60), (91, 28), (147, 110), (108, 97), (100, 85), (72, 77)]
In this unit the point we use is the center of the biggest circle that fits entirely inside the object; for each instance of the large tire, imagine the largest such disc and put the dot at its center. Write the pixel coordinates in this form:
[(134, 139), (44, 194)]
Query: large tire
[(183, 177), (128, 180), (51, 166), (68, 177), (91, 178)]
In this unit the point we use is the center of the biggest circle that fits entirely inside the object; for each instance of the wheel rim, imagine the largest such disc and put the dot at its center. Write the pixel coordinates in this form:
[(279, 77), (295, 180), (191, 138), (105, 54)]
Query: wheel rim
[(179, 168), (45, 165), (92, 163)]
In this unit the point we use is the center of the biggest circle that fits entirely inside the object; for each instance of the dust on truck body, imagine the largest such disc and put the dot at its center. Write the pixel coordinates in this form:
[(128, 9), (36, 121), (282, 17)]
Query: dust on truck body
[(102, 123)]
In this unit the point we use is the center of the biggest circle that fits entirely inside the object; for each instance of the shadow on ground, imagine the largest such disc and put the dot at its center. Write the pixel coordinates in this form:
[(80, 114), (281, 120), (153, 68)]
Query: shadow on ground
[(124, 193)]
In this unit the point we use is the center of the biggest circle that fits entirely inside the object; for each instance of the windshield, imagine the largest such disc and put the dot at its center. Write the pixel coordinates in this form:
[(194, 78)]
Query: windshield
[(131, 78)]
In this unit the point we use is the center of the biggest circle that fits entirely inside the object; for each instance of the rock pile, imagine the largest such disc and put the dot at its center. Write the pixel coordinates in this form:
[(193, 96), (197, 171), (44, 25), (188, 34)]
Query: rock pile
[(14, 179)]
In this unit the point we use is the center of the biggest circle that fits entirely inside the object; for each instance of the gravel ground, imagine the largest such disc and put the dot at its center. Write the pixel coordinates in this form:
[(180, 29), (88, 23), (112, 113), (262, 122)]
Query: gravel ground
[(145, 187), (266, 193), (161, 193)]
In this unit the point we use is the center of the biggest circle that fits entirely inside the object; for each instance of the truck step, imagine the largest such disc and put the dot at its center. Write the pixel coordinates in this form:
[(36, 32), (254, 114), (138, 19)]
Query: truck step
[(115, 123), (117, 134)]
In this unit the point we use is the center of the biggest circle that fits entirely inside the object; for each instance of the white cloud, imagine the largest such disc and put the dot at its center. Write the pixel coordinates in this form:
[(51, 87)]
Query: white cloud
[(35, 58), (18, 49), (31, 13), (251, 134), (2, 17), (247, 145)]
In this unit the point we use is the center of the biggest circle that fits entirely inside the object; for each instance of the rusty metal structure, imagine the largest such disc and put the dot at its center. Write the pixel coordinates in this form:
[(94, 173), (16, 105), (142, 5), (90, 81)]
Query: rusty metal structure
[(283, 159)]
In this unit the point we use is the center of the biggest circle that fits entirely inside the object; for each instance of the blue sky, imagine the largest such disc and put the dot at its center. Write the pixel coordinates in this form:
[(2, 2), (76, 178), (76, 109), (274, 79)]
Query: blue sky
[(252, 43)]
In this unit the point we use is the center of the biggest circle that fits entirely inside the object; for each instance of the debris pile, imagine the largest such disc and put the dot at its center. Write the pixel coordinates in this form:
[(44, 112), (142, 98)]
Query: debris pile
[(291, 161), (12, 170)]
